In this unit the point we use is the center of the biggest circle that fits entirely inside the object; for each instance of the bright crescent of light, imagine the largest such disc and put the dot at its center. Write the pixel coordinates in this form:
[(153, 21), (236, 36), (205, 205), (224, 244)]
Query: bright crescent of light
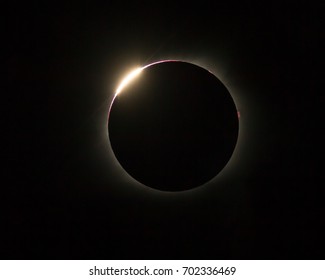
[(128, 78), (135, 73)]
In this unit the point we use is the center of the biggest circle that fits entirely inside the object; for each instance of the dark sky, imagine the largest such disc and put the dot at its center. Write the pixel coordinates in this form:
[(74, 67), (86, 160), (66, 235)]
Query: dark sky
[(67, 196)]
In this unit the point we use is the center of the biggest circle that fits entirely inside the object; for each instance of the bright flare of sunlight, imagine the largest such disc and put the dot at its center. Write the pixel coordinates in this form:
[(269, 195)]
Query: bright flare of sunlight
[(128, 78)]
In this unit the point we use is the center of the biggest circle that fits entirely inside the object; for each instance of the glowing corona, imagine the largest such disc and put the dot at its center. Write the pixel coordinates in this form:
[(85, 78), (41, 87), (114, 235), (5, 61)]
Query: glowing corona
[(235, 159), (127, 79)]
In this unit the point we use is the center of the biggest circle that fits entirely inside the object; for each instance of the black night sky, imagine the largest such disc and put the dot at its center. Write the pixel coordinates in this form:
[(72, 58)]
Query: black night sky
[(66, 197)]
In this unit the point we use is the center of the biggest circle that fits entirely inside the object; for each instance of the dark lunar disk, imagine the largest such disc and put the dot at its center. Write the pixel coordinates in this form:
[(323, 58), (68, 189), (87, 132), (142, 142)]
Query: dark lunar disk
[(174, 127)]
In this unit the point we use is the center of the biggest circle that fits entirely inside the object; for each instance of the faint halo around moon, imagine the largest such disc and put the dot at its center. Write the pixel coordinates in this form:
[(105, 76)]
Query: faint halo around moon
[(172, 125)]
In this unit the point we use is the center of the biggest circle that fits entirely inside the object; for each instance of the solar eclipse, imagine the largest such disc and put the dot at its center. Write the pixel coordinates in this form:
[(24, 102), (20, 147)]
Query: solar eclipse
[(173, 125)]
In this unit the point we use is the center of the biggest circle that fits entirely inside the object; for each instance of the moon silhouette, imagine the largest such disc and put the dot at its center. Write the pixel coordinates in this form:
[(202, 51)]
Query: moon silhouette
[(173, 125)]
